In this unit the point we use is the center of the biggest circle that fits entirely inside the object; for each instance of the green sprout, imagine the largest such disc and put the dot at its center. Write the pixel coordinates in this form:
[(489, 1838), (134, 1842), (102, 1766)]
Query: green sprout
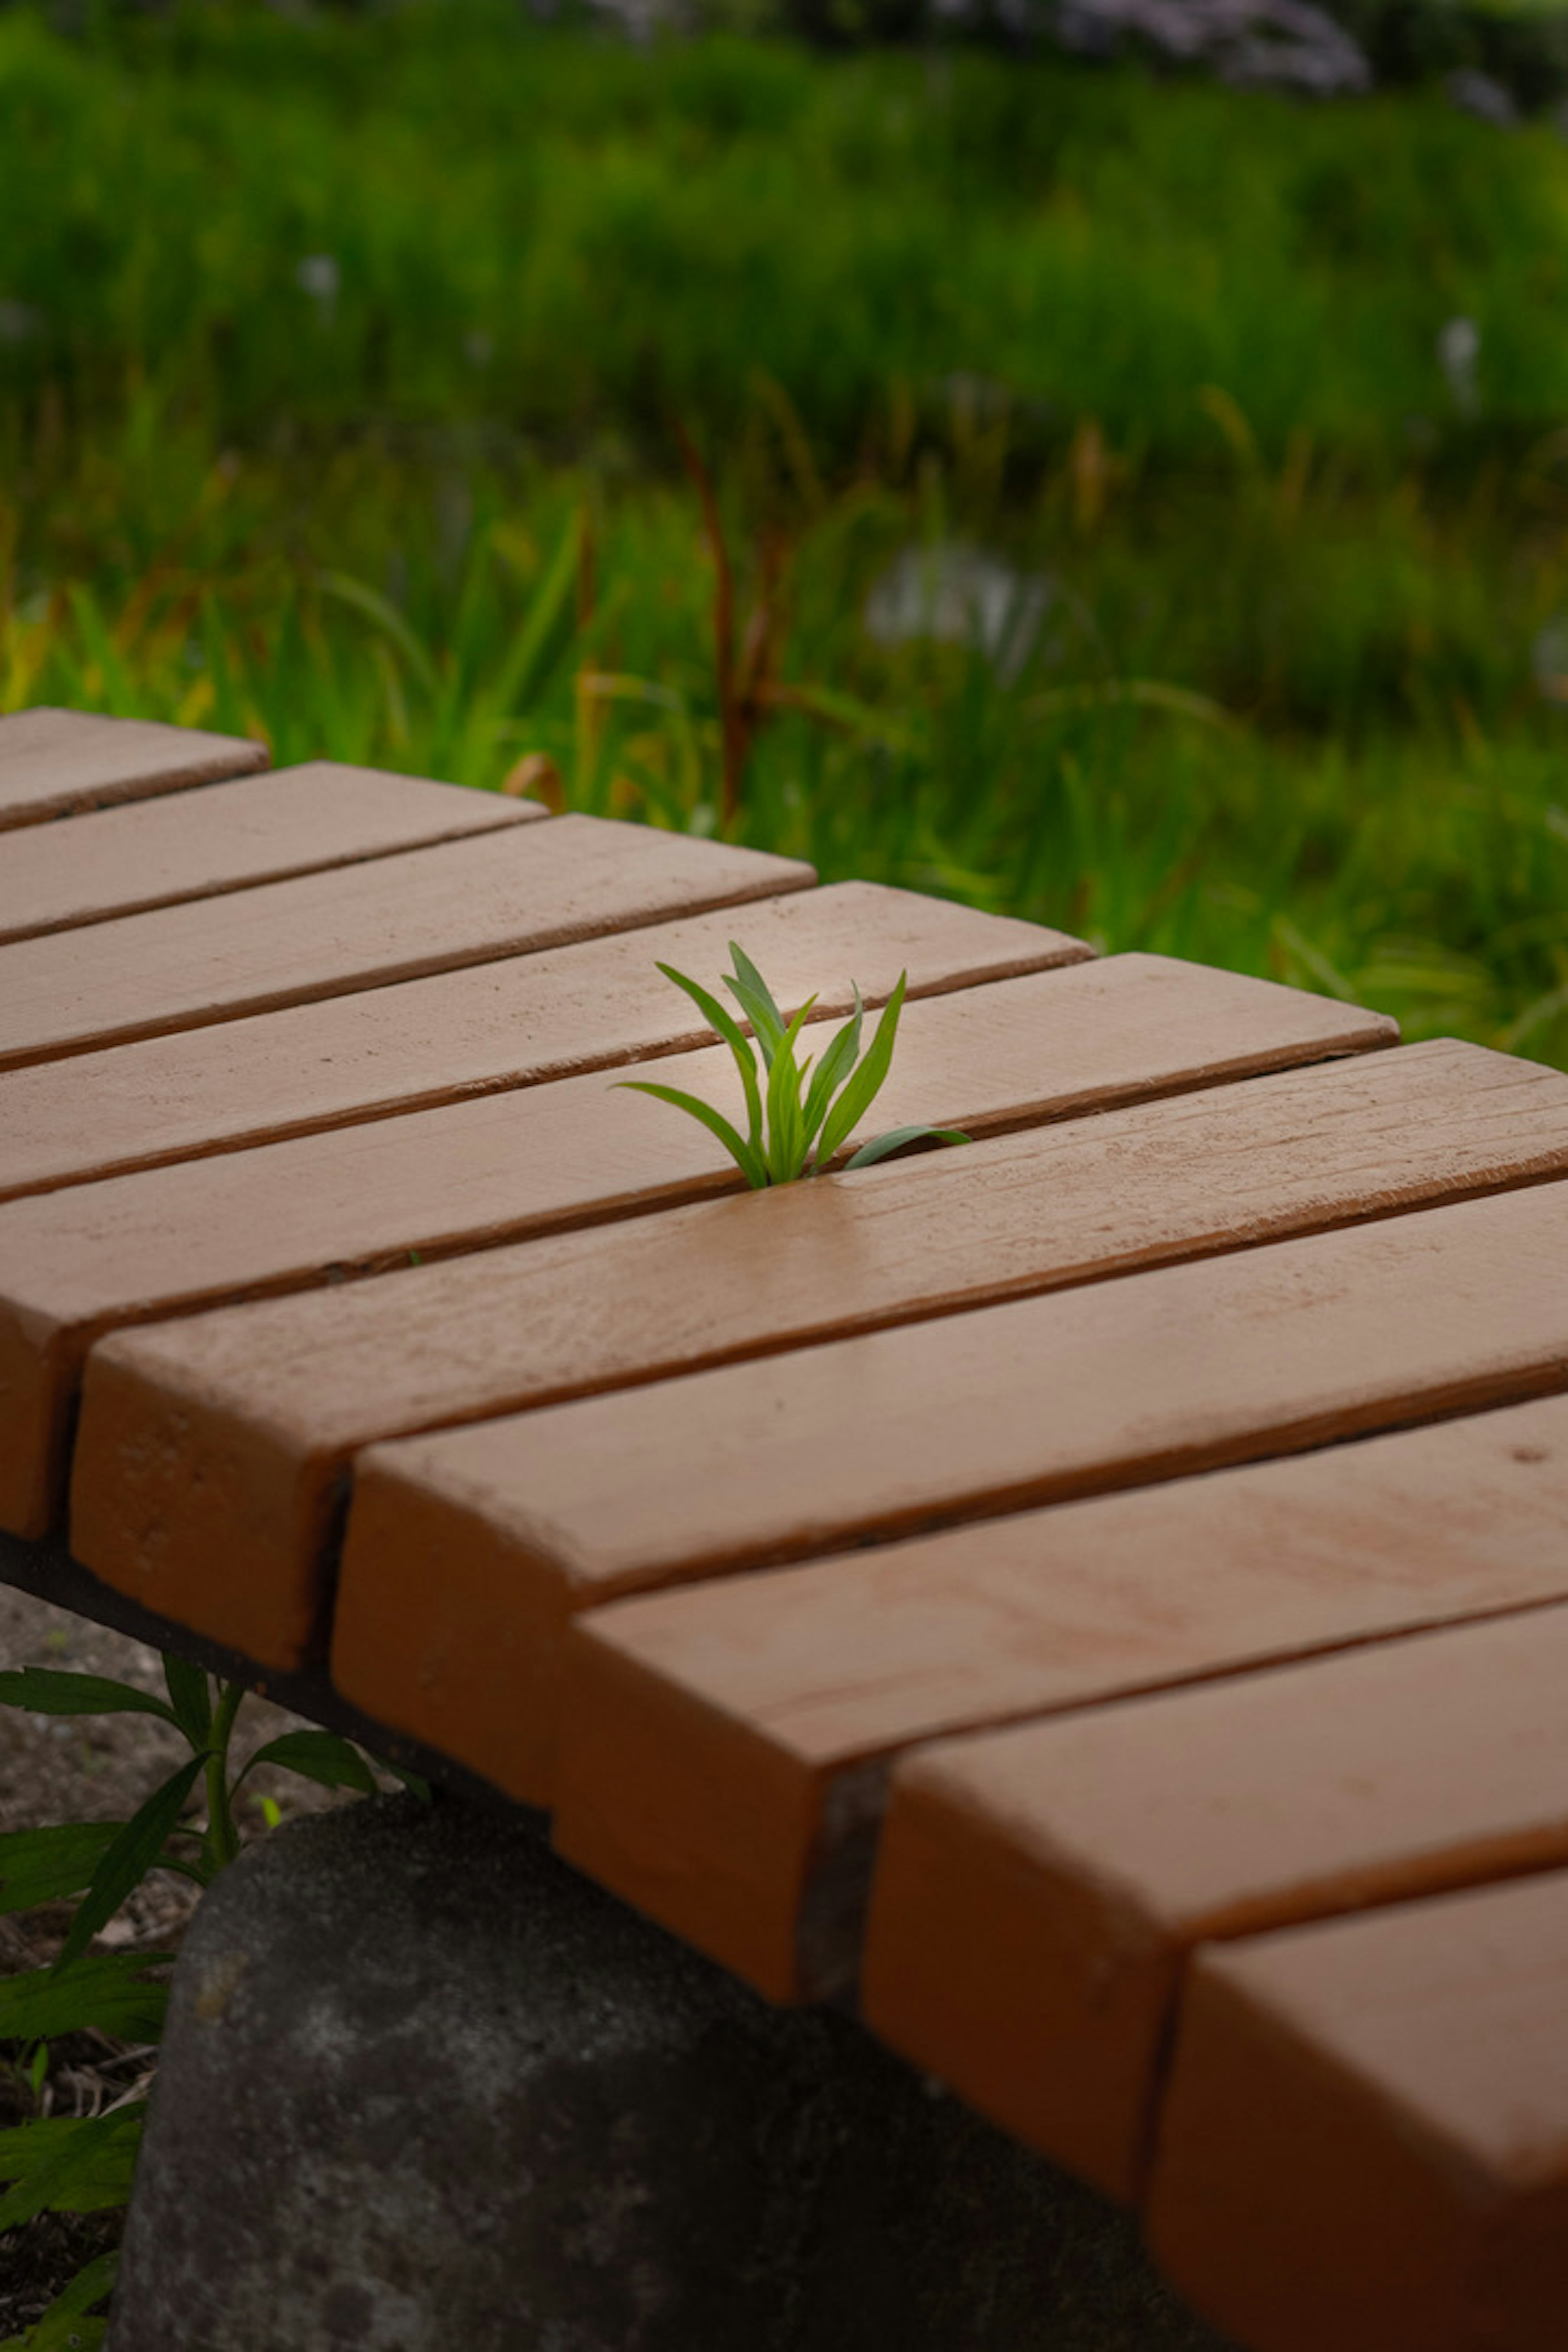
[(794, 1125)]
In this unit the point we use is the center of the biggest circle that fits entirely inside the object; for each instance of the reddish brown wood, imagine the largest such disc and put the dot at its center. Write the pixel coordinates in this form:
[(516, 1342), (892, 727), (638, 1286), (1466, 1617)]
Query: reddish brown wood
[(1266, 1352), (721, 1745), (595, 1005), (462, 902), (1365, 2139), (58, 762), (229, 836), (76, 1264), (1038, 1889)]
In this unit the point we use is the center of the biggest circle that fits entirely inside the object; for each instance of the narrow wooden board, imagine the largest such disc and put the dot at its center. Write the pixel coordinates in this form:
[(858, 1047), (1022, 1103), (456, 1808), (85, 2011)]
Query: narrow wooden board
[(59, 763), (1364, 2142), (76, 1264), (602, 1001), (873, 1434), (462, 902), (1038, 1889), (1266, 1352), (725, 1747), (199, 845)]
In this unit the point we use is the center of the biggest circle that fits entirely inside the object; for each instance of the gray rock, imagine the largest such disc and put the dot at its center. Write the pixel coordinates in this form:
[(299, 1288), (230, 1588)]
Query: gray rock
[(423, 2087), (1256, 44), (1489, 100)]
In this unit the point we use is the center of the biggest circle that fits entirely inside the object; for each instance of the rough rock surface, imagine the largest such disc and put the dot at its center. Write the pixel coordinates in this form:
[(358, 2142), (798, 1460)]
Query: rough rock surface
[(424, 2087)]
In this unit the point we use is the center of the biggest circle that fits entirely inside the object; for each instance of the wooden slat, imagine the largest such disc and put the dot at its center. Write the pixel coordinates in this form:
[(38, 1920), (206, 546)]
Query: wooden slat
[(462, 902), (1038, 1889), (579, 1008), (725, 1747), (772, 1460), (81, 1262), (1271, 1350), (230, 836), (58, 762), (1365, 2143)]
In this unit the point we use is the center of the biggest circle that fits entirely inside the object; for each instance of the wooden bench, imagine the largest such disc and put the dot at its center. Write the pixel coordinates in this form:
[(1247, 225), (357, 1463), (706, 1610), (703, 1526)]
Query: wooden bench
[(1097, 1600)]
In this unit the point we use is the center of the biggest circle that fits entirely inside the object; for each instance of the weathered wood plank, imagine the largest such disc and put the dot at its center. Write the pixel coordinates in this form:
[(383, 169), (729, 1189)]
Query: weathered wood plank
[(1267, 1351), (224, 1436), (422, 911), (229, 836), (725, 1747), (1364, 2142), (59, 762), (1038, 1889), (527, 1019), (579, 1151)]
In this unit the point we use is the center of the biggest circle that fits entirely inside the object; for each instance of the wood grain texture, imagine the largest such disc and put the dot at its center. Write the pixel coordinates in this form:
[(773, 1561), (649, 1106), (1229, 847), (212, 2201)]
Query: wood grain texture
[(61, 762), (300, 1384), (1191, 1367), (718, 1742), (229, 836), (76, 1264), (1364, 2141), (590, 1006), (1038, 1889), (463, 902)]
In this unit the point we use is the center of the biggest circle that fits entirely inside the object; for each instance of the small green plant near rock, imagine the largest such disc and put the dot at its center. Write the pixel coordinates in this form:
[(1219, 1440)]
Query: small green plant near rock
[(83, 2164), (794, 1124)]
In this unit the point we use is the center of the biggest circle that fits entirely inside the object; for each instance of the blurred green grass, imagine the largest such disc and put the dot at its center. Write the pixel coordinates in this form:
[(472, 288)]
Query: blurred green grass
[(1268, 675)]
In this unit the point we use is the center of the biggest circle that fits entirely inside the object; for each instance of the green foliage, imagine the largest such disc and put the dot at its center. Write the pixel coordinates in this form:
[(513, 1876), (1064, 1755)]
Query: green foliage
[(795, 1125), (1287, 700), (84, 2164)]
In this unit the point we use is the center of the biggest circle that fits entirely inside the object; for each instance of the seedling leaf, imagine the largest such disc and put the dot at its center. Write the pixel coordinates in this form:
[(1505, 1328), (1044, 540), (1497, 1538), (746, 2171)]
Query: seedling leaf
[(748, 1161), (786, 1144), (127, 1861), (43, 1690), (107, 1992), (734, 1037), (895, 1140), (832, 1070), (769, 1030), (41, 1865), (864, 1084), (748, 976), (190, 1695), (83, 2168), (319, 1756)]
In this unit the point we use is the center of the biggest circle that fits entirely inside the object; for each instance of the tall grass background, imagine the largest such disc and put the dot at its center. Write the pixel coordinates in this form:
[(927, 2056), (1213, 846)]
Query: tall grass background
[(439, 391)]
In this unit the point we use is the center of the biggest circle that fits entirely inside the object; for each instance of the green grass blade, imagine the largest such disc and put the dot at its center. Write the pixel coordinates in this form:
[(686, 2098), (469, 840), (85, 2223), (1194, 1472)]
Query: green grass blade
[(748, 1161), (737, 1040), (896, 1138), (522, 667), (45, 1690), (748, 976), (864, 1084), (759, 1012), (107, 1993), (833, 1071), (127, 1861), (388, 619), (786, 1145), (42, 1866)]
